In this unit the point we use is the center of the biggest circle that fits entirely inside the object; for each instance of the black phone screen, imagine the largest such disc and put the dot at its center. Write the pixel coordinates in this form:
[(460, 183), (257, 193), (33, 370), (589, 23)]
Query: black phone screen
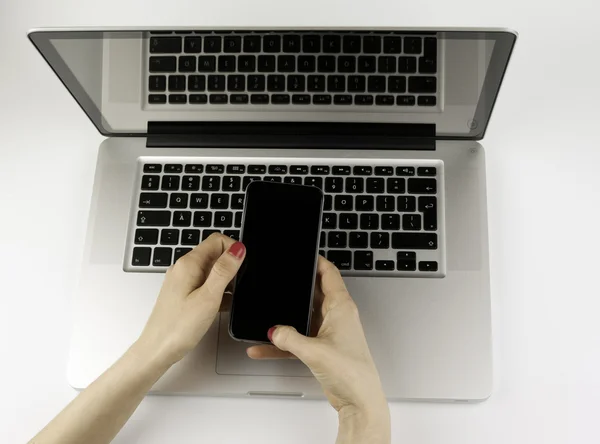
[(276, 281)]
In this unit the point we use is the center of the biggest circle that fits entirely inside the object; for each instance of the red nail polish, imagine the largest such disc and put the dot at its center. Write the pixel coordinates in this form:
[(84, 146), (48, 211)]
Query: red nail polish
[(237, 250), (270, 333)]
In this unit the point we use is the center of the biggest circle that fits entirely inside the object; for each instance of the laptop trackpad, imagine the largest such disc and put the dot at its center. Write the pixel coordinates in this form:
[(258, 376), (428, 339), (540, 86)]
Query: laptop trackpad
[(232, 358)]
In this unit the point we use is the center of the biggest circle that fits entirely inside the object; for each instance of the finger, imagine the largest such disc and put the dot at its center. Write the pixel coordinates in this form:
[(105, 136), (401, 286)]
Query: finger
[(268, 352), (288, 339), (224, 270), (331, 284)]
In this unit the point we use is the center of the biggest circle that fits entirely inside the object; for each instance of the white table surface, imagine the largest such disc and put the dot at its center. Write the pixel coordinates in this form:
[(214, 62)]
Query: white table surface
[(543, 157)]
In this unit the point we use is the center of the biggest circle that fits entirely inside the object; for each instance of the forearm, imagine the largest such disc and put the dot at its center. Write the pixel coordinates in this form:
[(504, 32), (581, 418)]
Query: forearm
[(370, 425), (101, 410)]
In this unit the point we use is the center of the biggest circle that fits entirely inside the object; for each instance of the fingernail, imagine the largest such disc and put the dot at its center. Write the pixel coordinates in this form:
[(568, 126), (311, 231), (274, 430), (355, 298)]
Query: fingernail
[(270, 333), (237, 250)]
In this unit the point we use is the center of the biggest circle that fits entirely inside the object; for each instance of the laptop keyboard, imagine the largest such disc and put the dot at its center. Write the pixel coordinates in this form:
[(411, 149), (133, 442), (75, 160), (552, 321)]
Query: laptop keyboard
[(383, 69), (381, 217)]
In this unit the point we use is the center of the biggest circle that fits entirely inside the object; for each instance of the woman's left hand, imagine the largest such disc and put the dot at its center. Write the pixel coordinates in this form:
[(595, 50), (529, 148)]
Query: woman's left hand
[(190, 298)]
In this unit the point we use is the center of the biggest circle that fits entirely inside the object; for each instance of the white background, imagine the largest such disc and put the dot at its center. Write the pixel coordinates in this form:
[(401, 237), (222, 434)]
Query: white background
[(543, 158)]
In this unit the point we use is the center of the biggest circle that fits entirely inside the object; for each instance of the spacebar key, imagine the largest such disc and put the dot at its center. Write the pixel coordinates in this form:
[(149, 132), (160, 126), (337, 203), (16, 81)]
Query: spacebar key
[(414, 241)]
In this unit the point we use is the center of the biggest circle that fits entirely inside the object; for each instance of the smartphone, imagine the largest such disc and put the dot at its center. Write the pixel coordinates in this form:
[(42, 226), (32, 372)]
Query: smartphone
[(275, 285)]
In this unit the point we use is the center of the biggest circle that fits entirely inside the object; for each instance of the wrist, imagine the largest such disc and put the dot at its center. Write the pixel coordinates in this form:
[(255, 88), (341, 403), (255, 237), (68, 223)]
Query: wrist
[(148, 357), (366, 424)]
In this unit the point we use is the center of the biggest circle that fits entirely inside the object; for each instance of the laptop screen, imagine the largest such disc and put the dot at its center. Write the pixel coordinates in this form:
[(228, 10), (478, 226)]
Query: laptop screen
[(125, 79)]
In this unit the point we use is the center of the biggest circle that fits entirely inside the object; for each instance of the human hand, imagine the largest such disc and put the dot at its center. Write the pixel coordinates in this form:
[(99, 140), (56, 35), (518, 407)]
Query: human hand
[(338, 356), (190, 298)]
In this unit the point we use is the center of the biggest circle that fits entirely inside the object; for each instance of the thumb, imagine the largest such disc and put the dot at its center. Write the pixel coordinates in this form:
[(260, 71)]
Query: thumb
[(224, 269), (288, 339)]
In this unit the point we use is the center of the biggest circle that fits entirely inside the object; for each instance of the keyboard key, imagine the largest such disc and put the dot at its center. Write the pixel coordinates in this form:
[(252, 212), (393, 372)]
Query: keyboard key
[(363, 260), (406, 264), (427, 65), (237, 201), (234, 234), (334, 184), (342, 99), (280, 99), (194, 168), (246, 63), (412, 45), (157, 83), (219, 201), (180, 252), (422, 186), (357, 83), (346, 64), (328, 203), (212, 44), (405, 171), (314, 181), (162, 45), (170, 183), (207, 64), (329, 221), (359, 239), (363, 100), (146, 236), (299, 169), (187, 64), (366, 64), (352, 44), (341, 170), (426, 171), (223, 219), (380, 240), (372, 44), (361, 170), (355, 184), (395, 185), (190, 183), (321, 99), (376, 84), (411, 222), (319, 170), (405, 100), (311, 44), (316, 83), (196, 83), (326, 64), (192, 45), (390, 222), (407, 203), (384, 100), (369, 221), (428, 266), (190, 237), (295, 83), (336, 83), (232, 44), (343, 203), (332, 44), (178, 200), (385, 203), (198, 99), (307, 63), (150, 182), (428, 206), (406, 255), (407, 65), (273, 179), (141, 256), (294, 180), (182, 218), (291, 43), (259, 99), (375, 185), (341, 259), (414, 241), (251, 43), (286, 63), (226, 63), (216, 83), (301, 99), (272, 43), (396, 84), (392, 45), (266, 63), (421, 84), (427, 101), (277, 169), (202, 218), (152, 168), (206, 233), (247, 180), (153, 200), (177, 99), (232, 183), (199, 200), (238, 219), (337, 239), (384, 171), (384, 265), (257, 169), (348, 221), (386, 64), (365, 203), (236, 169), (169, 237), (430, 47), (153, 218), (162, 64)]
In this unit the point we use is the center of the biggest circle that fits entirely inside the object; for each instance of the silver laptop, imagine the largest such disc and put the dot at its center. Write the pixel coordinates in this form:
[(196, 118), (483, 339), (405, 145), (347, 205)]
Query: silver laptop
[(385, 121)]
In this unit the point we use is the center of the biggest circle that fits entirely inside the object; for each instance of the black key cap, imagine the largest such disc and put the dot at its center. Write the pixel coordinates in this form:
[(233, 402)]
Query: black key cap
[(326, 64), (296, 83), (359, 239), (187, 64), (427, 101), (301, 99), (380, 240), (215, 168), (194, 168), (180, 252), (237, 201), (406, 203), (405, 100), (202, 218), (411, 222), (266, 63), (367, 64), (384, 171), (346, 64), (177, 99), (150, 182), (178, 200), (396, 84), (322, 239), (352, 44), (372, 44), (307, 63), (223, 219), (375, 185), (357, 83), (273, 179), (163, 64), (342, 99), (272, 43), (319, 170), (259, 99), (328, 203), (422, 186), (343, 203), (176, 83), (238, 99), (363, 100), (427, 65), (348, 221), (207, 63), (376, 84), (153, 200), (337, 239), (226, 64), (355, 184), (146, 236), (152, 168), (314, 181), (236, 169), (232, 44), (251, 43), (192, 45), (426, 171), (332, 44), (395, 185), (405, 171), (277, 169), (406, 255), (164, 45), (316, 83), (341, 170), (234, 234), (291, 43), (329, 221), (157, 83), (153, 218), (392, 45), (321, 99), (386, 64), (414, 241), (238, 219), (428, 206), (206, 233), (311, 44), (334, 184), (384, 265), (257, 169), (299, 169), (385, 203), (173, 168), (422, 84), (232, 183), (341, 259), (369, 221), (212, 44), (430, 47), (336, 83), (390, 222), (216, 83), (247, 180), (246, 63), (211, 183), (407, 65), (286, 63), (275, 83), (141, 256), (219, 201), (365, 203), (361, 170), (384, 100), (428, 266), (182, 218), (363, 260), (294, 180), (406, 264), (169, 236), (196, 83), (412, 45), (190, 237), (170, 183), (198, 99), (199, 200)]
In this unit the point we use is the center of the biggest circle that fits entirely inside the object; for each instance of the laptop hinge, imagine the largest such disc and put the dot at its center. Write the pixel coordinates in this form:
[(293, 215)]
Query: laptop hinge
[(315, 135)]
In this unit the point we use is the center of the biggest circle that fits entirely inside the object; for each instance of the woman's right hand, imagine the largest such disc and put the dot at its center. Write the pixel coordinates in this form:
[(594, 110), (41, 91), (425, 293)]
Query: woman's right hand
[(338, 357)]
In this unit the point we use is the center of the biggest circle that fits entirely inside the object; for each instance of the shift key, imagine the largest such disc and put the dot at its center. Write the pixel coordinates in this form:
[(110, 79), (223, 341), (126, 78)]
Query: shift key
[(414, 241), (153, 218)]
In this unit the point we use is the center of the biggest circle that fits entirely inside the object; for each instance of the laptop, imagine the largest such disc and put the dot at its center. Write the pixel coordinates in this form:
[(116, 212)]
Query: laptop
[(385, 121)]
